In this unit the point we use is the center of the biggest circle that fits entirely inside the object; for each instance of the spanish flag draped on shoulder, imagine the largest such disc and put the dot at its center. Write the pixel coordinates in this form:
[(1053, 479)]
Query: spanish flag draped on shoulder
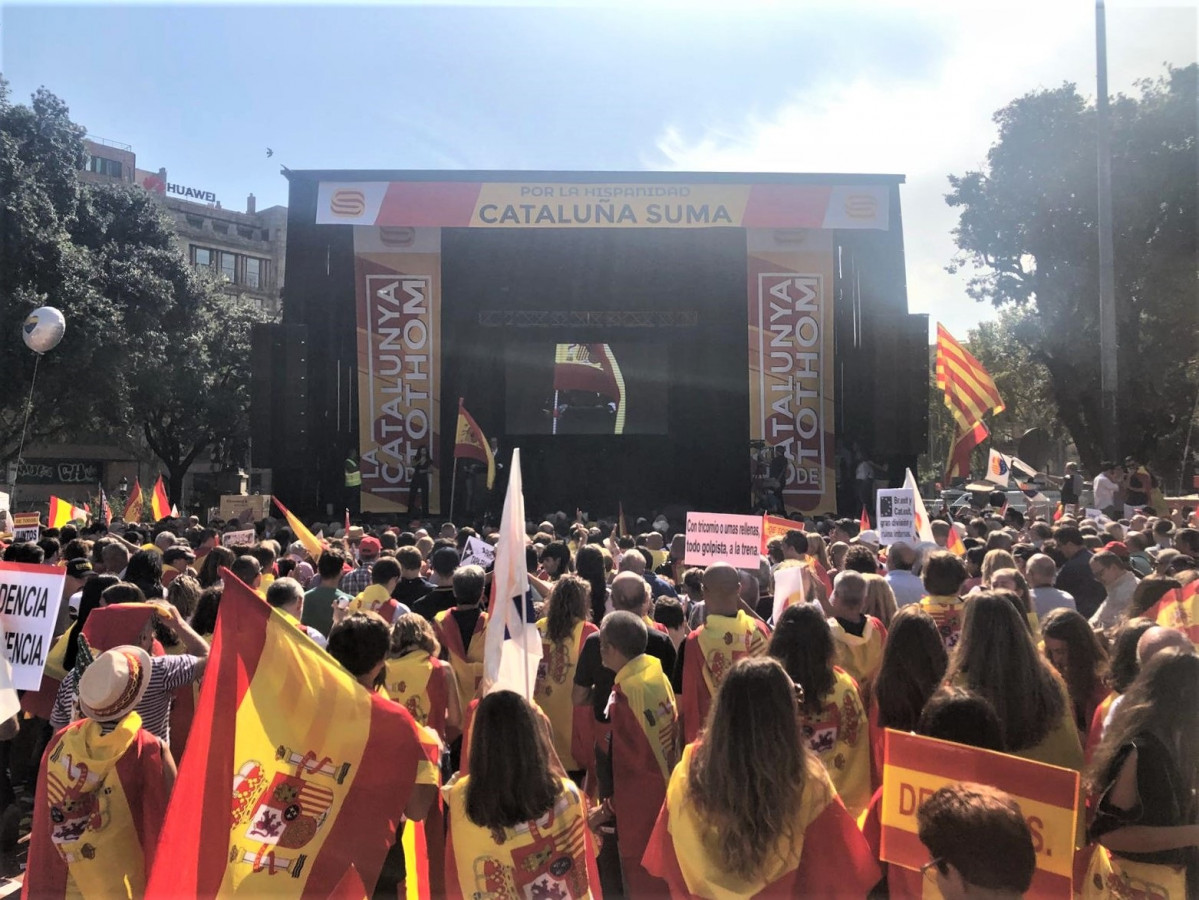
[(282, 787), (471, 444), (512, 651)]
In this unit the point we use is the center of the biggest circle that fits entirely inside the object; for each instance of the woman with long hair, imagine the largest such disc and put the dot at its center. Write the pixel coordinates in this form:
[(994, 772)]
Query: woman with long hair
[(1146, 775), (914, 662), (204, 618), (996, 657), (516, 796), (1123, 668), (563, 631), (749, 809), (993, 561), (831, 716), (880, 600), (216, 559), (1014, 582), (589, 565), (145, 570), (415, 678), (1075, 651)]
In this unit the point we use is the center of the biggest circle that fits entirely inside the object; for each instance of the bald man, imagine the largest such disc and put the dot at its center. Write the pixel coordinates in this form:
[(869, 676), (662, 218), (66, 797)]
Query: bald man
[(730, 633)]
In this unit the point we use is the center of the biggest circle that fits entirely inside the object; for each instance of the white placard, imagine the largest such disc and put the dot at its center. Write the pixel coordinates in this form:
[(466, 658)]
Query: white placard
[(29, 599), (895, 510), (234, 538), (26, 527), (477, 553), (720, 537)]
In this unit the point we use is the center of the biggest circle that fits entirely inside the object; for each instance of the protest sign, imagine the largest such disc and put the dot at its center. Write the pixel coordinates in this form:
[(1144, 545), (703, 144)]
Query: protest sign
[(895, 512), (773, 526), (26, 527), (477, 553), (29, 599), (719, 537), (238, 538), (914, 767)]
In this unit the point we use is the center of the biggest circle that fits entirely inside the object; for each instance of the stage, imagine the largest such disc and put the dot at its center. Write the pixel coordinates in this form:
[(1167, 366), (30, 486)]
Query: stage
[(644, 338)]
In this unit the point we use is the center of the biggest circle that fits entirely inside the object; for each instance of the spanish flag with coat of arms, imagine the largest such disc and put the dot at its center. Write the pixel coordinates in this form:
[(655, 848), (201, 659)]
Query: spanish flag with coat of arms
[(294, 775), (470, 443)]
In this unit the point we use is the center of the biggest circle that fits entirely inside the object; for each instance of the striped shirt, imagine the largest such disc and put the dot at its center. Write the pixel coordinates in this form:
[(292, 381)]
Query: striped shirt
[(167, 673)]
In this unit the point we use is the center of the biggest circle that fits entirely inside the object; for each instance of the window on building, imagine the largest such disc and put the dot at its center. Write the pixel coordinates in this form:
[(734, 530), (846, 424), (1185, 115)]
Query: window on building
[(201, 257), (266, 234), (104, 166), (220, 227), (255, 269), (195, 222), (247, 233), (229, 266)]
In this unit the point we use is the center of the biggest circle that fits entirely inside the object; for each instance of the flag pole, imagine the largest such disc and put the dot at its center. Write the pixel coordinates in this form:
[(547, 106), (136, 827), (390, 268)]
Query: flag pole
[(453, 486), (554, 423)]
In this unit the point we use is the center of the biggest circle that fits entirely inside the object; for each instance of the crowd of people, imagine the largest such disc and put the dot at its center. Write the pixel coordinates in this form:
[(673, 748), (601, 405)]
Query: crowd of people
[(680, 740)]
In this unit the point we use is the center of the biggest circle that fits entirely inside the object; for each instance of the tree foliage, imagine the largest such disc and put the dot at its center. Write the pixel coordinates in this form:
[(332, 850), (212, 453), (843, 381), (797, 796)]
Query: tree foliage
[(1027, 227), (152, 348)]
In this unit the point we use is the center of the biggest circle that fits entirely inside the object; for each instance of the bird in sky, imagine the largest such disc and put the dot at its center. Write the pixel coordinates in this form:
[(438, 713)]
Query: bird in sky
[(269, 152)]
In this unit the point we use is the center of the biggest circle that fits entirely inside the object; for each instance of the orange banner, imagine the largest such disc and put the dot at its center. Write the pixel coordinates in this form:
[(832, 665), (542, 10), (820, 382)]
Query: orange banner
[(398, 285), (914, 767), (791, 367), (773, 526)]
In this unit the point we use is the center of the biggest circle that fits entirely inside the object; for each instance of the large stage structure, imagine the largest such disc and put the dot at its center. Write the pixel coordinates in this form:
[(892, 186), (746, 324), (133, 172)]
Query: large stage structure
[(646, 337)]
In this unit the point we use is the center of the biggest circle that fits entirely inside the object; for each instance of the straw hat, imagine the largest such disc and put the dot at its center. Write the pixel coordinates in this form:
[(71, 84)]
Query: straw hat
[(114, 684)]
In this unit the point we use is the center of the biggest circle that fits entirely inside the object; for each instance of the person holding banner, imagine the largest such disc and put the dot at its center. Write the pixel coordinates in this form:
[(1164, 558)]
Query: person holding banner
[(1146, 775), (749, 809), (832, 716)]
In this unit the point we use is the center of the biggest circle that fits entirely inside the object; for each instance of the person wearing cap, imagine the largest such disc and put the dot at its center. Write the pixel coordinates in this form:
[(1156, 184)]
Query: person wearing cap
[(102, 788), (1111, 569), (133, 623), (78, 572), (303, 572), (907, 586), (357, 580), (176, 560)]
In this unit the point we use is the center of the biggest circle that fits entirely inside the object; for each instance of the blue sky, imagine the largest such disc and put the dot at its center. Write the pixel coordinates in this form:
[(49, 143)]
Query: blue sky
[(888, 87)]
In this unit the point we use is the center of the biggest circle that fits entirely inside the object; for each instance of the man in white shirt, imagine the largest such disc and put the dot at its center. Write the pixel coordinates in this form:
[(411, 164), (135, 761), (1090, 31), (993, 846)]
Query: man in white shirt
[(1041, 573), (1106, 485), (908, 588), (1112, 571)]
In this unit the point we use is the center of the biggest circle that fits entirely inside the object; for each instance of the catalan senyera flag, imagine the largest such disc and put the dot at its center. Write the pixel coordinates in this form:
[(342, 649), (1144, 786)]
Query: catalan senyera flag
[(1179, 609), (293, 773), (310, 541), (590, 367), (134, 503), (970, 393), (160, 505), (62, 512), (963, 445), (916, 766), (471, 444)]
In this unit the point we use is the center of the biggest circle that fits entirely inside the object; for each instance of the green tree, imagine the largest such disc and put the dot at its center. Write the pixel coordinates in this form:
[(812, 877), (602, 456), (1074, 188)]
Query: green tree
[(152, 348), (1028, 228)]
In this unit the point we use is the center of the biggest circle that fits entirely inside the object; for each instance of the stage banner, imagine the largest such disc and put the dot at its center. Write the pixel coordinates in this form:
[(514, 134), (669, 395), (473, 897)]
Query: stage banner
[(567, 204), (914, 767), (791, 366), (397, 274)]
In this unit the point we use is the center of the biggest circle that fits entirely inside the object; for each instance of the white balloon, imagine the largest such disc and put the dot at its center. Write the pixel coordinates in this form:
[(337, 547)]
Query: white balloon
[(43, 329)]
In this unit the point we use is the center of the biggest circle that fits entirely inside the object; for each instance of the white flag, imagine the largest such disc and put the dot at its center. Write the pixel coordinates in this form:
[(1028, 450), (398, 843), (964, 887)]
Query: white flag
[(998, 468), (512, 651), (924, 527), (788, 590)]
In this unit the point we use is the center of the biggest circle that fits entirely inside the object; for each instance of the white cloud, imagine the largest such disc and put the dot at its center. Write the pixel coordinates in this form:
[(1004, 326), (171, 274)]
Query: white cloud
[(942, 124)]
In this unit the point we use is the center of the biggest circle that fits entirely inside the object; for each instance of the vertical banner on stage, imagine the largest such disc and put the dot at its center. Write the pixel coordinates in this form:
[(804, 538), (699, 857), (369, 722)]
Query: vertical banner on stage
[(791, 365), (397, 274)]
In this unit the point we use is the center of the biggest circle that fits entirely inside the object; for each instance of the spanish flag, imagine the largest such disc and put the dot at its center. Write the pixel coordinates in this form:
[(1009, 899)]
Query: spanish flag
[(471, 444), (133, 505), (954, 542), (1179, 609), (282, 789), (62, 512), (160, 506), (593, 368), (310, 541)]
